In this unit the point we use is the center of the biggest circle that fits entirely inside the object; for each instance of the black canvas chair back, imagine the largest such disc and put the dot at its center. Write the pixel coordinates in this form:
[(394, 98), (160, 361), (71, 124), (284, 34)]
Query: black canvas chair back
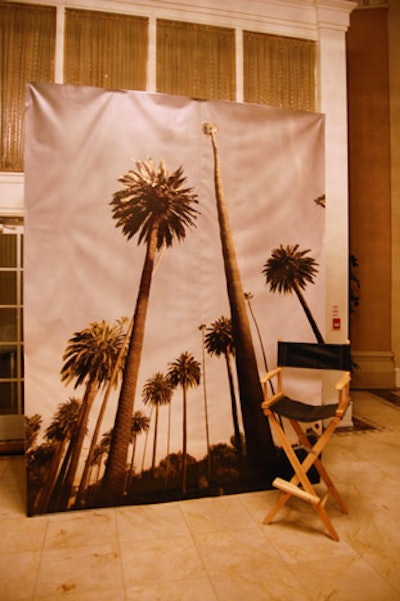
[(278, 404), (314, 356)]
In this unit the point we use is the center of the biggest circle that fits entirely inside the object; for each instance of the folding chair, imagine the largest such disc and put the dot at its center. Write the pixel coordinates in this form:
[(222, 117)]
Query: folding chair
[(277, 405)]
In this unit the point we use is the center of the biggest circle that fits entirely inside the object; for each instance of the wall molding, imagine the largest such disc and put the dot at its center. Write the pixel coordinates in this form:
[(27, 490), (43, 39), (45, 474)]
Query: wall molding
[(375, 369)]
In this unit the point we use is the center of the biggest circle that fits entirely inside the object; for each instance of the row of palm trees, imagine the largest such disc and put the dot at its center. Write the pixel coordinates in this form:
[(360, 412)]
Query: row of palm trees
[(65, 435)]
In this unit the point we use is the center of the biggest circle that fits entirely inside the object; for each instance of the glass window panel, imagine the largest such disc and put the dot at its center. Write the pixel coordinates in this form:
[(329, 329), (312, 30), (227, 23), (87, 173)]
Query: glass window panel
[(21, 288), (8, 362), (196, 60), (8, 288), (105, 49), (279, 71), (27, 42), (8, 250), (8, 325), (8, 398)]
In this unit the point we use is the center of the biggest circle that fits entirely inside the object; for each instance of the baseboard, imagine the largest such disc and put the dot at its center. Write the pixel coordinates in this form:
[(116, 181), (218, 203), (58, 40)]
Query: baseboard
[(373, 369)]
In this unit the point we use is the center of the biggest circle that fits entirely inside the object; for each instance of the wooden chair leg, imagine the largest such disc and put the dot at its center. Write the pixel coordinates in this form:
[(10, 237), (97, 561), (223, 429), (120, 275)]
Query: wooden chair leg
[(320, 468)]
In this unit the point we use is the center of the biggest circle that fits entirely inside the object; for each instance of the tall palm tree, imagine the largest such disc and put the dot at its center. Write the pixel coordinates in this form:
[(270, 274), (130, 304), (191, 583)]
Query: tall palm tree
[(184, 372), (219, 341), (157, 391), (259, 444), (290, 270), (202, 328), (59, 432), (125, 329), (140, 423), (158, 207), (89, 358)]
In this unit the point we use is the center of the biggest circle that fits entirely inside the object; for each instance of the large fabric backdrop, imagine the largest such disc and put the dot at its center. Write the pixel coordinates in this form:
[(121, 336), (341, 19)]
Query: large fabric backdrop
[(169, 243)]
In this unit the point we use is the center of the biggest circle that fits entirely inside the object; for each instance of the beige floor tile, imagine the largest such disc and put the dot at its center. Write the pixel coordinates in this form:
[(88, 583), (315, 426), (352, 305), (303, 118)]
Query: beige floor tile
[(151, 521), (191, 589), (216, 513), (19, 534), (246, 548), (79, 571), (344, 580), (154, 561), (70, 594), (18, 574), (298, 534), (12, 503), (266, 584), (80, 528)]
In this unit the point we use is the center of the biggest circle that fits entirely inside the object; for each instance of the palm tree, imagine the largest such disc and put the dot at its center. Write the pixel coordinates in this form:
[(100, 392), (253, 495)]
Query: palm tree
[(59, 432), (157, 391), (259, 444), (155, 205), (202, 328), (185, 372), (289, 270), (219, 341), (112, 383), (140, 423), (101, 449), (89, 358), (32, 428)]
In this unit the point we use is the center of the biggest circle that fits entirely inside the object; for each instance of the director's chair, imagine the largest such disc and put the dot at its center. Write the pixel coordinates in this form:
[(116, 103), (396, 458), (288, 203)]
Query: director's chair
[(277, 405)]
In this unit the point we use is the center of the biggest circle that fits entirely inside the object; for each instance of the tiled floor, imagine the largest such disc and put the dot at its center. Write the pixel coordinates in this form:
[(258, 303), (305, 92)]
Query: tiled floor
[(218, 549)]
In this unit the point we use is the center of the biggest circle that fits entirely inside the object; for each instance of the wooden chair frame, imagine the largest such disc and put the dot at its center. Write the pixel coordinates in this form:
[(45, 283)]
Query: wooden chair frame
[(300, 485)]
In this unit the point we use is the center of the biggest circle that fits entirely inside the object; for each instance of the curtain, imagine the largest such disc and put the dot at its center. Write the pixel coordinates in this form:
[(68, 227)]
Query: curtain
[(105, 49), (27, 42), (196, 60), (279, 71)]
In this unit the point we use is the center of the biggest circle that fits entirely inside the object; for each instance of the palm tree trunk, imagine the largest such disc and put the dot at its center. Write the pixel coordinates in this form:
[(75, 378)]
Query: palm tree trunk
[(203, 349), (308, 313), (42, 499), (146, 439), (167, 470), (132, 464), (236, 429), (260, 449), (68, 484), (114, 477), (153, 461), (184, 444), (60, 495)]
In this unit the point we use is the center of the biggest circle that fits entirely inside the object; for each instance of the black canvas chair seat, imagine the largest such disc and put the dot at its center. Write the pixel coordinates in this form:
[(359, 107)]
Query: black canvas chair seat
[(302, 412), (277, 405)]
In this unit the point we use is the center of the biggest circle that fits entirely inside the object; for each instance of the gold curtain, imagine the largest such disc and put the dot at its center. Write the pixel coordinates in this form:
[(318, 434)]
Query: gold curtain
[(196, 60), (279, 71), (27, 42), (105, 49)]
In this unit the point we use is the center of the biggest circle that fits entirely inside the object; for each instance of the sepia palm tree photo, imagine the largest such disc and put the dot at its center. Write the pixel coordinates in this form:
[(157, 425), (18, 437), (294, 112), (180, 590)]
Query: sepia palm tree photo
[(181, 207)]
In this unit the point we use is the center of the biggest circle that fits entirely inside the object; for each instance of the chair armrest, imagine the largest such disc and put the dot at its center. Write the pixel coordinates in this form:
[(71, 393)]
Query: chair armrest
[(344, 380), (266, 404), (343, 386), (270, 400), (270, 374)]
